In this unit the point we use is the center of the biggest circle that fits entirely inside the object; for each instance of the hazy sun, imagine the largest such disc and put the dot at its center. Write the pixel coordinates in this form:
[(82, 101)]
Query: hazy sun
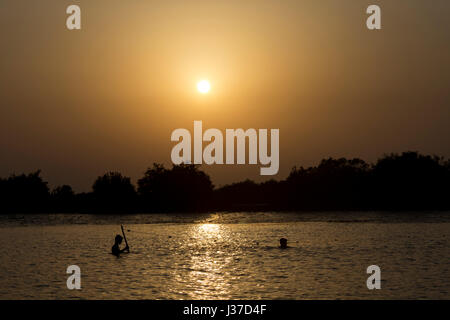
[(203, 86)]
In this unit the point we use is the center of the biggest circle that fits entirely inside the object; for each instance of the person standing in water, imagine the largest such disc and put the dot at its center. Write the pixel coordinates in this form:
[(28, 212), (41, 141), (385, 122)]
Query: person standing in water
[(283, 243), (115, 250)]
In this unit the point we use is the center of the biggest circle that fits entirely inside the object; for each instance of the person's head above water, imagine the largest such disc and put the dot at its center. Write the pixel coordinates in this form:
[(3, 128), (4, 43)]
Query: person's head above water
[(283, 243), (118, 239)]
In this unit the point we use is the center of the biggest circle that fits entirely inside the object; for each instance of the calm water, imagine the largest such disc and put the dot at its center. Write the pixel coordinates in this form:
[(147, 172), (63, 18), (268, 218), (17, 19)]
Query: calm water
[(227, 256)]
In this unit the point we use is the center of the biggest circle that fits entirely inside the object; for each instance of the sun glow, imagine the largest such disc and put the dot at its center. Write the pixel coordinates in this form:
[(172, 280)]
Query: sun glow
[(210, 228), (203, 86)]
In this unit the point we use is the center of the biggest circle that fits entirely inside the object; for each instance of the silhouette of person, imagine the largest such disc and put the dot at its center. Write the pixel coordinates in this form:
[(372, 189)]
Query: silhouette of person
[(115, 250), (283, 243)]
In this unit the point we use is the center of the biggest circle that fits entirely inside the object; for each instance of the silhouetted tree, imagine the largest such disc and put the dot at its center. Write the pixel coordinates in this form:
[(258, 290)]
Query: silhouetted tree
[(182, 188), (407, 181), (334, 184), (114, 192), (63, 199), (410, 181), (24, 193), (248, 195), (237, 196)]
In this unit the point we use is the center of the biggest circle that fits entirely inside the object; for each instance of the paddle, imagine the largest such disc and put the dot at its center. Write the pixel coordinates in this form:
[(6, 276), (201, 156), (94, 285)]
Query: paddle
[(125, 238)]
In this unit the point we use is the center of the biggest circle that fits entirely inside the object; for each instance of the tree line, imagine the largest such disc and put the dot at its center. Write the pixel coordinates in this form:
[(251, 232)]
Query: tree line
[(406, 181)]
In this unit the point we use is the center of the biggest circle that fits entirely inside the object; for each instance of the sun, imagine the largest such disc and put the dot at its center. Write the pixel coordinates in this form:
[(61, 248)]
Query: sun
[(203, 86)]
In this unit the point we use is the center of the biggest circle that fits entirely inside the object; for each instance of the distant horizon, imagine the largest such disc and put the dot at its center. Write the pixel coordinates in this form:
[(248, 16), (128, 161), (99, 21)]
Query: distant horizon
[(255, 178), (134, 180)]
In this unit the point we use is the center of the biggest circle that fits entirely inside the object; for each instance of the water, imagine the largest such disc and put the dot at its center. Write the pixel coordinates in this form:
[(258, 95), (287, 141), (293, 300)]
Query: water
[(227, 256)]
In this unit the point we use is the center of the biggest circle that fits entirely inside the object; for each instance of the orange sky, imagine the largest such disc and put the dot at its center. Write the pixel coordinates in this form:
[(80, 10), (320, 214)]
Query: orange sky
[(78, 103)]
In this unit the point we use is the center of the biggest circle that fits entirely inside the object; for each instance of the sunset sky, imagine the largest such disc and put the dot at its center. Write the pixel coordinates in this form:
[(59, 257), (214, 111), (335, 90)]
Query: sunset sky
[(107, 97)]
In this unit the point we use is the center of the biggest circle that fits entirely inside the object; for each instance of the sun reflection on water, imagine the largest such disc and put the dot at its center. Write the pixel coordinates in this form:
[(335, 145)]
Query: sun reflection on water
[(207, 273), (209, 230)]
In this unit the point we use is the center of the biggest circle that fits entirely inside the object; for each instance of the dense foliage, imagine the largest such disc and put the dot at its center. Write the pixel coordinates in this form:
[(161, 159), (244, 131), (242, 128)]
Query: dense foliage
[(407, 181)]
